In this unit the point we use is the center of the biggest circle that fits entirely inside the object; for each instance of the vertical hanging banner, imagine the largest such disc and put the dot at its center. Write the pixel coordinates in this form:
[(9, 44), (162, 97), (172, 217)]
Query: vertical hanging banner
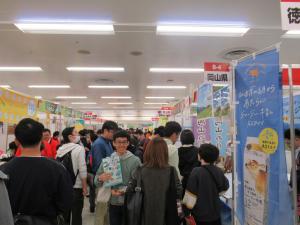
[(216, 72), (263, 190), (286, 111), (219, 137), (205, 101), (290, 14)]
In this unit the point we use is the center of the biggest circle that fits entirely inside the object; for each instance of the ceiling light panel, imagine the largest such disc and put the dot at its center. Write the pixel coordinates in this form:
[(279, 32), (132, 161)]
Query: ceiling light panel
[(166, 87), (116, 97), (201, 30), (65, 27), (84, 103), (120, 103), (20, 69), (71, 97), (49, 86), (152, 97), (156, 103), (175, 70), (109, 86), (96, 69), (5, 86), (292, 34)]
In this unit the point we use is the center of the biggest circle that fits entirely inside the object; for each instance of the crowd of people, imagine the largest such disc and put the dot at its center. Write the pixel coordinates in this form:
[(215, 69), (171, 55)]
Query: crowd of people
[(47, 177)]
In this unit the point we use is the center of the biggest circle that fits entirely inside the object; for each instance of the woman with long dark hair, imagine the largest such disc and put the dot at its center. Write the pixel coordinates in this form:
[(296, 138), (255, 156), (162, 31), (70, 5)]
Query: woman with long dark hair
[(160, 185)]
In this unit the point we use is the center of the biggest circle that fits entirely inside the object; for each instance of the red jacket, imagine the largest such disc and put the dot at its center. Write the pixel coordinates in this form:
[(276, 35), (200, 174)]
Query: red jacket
[(53, 144), (46, 151)]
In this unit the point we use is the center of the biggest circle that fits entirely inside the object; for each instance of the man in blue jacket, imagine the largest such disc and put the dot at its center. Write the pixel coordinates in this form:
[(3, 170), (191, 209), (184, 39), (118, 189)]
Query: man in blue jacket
[(101, 149)]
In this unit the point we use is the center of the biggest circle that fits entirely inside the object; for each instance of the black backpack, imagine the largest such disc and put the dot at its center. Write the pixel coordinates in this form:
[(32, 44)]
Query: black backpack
[(66, 161)]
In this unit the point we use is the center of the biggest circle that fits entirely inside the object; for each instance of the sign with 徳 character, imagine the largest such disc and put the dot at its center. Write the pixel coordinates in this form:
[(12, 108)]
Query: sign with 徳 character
[(290, 14)]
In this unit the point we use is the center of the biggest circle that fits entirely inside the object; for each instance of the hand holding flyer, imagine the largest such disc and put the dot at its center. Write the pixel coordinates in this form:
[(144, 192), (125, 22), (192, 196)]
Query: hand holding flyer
[(112, 166)]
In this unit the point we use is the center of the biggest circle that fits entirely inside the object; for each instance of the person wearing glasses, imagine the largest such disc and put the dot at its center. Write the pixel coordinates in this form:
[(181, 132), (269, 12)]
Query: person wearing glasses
[(129, 163)]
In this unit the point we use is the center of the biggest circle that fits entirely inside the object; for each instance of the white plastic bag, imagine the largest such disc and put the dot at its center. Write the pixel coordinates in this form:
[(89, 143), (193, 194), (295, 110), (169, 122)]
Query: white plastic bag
[(104, 194)]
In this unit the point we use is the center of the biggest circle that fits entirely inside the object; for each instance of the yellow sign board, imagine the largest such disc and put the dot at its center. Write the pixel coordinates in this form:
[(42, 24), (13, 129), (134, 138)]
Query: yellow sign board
[(15, 106)]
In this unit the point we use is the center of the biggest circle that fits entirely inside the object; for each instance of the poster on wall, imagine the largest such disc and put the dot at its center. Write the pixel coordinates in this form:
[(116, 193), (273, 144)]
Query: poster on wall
[(205, 101), (261, 164), (15, 106)]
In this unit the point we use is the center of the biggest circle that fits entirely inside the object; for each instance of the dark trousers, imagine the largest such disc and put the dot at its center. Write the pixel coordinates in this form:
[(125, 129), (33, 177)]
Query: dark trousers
[(216, 222), (92, 196), (116, 214), (75, 217)]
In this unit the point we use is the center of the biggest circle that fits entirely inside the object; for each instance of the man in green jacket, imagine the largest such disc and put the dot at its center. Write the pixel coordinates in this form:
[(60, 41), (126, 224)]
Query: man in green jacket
[(129, 164)]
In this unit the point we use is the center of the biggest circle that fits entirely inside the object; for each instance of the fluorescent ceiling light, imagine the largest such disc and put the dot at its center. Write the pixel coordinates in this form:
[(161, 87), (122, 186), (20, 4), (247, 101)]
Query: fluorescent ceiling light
[(109, 86), (65, 28), (116, 97), (159, 97), (292, 34), (20, 69), (96, 69), (5, 86), (176, 70), (38, 97), (71, 97), (123, 107), (83, 103), (166, 87), (149, 108), (120, 103), (89, 107), (155, 103), (49, 86), (199, 30)]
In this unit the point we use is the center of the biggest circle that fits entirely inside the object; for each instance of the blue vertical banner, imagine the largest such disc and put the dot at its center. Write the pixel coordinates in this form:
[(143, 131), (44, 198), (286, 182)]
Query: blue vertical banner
[(263, 190)]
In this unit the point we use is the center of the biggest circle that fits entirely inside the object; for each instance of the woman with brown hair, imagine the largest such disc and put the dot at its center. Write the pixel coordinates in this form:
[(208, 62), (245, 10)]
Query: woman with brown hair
[(160, 186)]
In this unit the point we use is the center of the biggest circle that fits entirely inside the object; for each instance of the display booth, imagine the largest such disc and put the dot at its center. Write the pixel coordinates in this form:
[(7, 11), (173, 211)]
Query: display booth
[(15, 106)]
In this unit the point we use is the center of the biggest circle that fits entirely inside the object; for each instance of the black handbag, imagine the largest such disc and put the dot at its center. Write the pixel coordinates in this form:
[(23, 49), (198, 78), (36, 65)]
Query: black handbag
[(172, 217), (21, 219), (134, 200)]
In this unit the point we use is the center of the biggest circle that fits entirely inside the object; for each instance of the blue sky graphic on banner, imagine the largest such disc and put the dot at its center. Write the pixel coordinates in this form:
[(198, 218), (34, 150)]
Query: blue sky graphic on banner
[(204, 109), (286, 111), (263, 195)]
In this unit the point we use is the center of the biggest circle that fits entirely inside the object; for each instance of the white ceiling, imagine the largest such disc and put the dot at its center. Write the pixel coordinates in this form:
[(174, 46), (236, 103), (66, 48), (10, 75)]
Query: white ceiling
[(135, 31)]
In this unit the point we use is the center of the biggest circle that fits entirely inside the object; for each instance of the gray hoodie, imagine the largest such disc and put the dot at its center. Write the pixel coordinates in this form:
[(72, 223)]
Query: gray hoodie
[(78, 160), (5, 209), (129, 163)]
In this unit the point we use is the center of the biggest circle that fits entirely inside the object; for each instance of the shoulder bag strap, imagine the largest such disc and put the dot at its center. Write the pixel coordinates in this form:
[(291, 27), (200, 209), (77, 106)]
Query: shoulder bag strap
[(213, 177)]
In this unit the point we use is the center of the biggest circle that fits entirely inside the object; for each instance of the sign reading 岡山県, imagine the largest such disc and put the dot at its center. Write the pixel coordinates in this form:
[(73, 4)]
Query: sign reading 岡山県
[(290, 14), (216, 72)]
